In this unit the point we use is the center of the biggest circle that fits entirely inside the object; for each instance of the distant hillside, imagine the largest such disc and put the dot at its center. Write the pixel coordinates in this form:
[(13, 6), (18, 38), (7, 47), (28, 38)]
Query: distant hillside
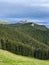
[(26, 39), (7, 58), (2, 22)]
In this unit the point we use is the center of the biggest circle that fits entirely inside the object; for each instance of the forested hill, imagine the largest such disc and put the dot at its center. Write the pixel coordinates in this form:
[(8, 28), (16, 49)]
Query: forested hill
[(27, 39)]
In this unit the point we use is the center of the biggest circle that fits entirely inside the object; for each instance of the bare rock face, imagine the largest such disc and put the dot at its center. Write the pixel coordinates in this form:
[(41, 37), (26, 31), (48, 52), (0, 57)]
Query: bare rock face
[(32, 24), (23, 21)]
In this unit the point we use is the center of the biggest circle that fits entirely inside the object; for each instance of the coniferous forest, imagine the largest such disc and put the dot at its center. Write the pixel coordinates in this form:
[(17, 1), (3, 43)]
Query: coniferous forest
[(25, 39)]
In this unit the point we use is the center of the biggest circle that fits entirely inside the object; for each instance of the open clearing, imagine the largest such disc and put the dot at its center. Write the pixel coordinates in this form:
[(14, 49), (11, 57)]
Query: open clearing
[(7, 58)]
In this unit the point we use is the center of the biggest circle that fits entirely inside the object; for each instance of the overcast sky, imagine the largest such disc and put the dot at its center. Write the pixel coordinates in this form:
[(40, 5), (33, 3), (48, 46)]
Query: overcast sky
[(35, 10)]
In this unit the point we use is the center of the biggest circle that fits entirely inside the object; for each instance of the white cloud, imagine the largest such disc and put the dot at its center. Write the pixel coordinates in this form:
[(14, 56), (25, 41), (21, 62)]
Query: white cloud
[(30, 8), (27, 3), (40, 5)]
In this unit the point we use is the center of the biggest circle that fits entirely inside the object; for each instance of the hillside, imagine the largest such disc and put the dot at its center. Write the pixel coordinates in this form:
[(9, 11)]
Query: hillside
[(2, 22), (25, 39), (7, 58)]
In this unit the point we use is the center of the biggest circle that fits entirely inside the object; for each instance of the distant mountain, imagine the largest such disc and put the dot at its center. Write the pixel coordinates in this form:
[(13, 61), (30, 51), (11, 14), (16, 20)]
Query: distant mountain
[(27, 39), (37, 26)]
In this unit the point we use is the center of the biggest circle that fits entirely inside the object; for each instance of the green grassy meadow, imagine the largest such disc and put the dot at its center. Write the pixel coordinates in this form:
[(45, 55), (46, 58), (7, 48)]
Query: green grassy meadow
[(2, 22), (7, 58)]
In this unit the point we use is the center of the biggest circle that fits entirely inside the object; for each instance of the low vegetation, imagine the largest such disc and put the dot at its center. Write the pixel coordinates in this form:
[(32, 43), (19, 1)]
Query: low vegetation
[(7, 58)]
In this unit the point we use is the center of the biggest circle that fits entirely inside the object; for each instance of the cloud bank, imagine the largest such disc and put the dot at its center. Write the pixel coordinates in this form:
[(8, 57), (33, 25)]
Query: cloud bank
[(13, 10)]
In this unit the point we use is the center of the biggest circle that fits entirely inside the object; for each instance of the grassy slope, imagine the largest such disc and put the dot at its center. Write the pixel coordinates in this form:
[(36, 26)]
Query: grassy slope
[(1, 22), (7, 58)]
